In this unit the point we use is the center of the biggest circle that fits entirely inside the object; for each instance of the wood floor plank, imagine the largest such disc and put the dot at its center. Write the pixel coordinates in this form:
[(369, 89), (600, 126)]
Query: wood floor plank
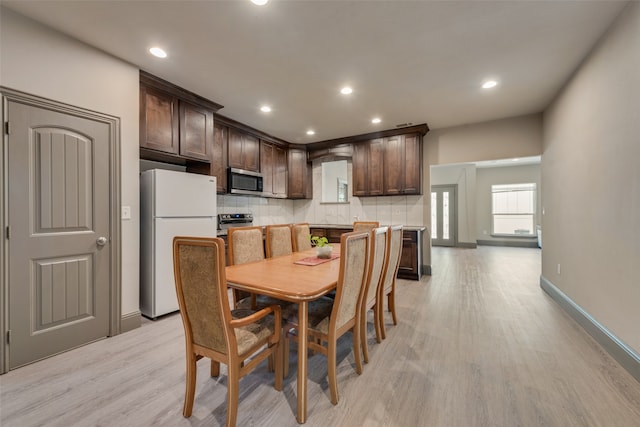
[(477, 344)]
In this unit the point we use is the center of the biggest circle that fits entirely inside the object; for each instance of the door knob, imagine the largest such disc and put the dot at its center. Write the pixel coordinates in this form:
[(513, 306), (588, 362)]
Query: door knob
[(101, 241)]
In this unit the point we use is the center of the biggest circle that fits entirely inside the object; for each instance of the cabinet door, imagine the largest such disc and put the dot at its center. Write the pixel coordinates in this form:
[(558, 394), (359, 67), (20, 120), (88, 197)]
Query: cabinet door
[(196, 132), (244, 150), (376, 167), (219, 157), (266, 168), (360, 163), (280, 172), (236, 157), (394, 165), (158, 120), (251, 153), (298, 174), (412, 164)]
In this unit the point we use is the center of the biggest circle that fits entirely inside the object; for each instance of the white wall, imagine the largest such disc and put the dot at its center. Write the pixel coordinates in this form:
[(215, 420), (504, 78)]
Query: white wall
[(498, 139), (485, 178), (591, 182), (45, 63), (464, 176)]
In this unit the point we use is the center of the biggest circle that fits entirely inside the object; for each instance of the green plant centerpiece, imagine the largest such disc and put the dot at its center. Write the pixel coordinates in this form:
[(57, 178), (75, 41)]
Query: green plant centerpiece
[(323, 248)]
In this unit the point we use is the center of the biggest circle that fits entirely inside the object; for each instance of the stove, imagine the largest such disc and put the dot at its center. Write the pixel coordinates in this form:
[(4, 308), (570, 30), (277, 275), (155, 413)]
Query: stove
[(226, 221)]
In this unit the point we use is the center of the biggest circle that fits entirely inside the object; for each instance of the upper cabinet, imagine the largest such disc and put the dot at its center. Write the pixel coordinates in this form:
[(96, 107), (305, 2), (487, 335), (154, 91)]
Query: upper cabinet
[(158, 120), (273, 166), (368, 159), (244, 150), (403, 164), (219, 157), (175, 125), (299, 174)]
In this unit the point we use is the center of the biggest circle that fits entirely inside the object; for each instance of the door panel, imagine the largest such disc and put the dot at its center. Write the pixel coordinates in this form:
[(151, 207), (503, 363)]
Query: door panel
[(443, 215), (59, 206)]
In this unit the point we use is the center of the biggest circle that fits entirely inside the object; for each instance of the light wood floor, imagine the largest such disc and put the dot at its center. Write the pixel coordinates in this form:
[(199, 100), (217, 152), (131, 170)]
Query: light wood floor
[(477, 344)]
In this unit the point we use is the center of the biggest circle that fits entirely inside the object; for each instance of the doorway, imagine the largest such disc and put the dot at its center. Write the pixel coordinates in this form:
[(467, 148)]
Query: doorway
[(62, 229), (444, 215)]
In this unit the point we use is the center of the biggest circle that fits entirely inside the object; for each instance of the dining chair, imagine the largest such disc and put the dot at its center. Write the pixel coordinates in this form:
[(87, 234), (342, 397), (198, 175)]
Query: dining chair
[(330, 319), (245, 244), (388, 286), (301, 234), (377, 262), (241, 339), (278, 240), (365, 225)]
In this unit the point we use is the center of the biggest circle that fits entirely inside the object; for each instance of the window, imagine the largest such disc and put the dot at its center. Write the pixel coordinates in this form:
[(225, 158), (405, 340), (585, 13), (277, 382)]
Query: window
[(513, 209)]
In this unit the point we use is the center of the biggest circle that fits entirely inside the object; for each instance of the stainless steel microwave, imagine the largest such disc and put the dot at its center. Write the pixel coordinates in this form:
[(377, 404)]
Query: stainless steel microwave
[(241, 181)]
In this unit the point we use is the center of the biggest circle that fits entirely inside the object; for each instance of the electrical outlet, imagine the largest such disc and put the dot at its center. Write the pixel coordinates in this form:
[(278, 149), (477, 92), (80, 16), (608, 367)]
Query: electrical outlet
[(558, 269), (126, 212)]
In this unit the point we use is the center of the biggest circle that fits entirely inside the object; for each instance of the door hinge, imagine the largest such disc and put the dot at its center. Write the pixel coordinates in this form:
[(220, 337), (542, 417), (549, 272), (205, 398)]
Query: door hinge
[(7, 127), (8, 232), (9, 336)]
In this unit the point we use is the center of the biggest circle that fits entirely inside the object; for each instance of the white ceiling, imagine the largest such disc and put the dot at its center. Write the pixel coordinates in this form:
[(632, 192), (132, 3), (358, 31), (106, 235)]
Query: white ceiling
[(407, 61)]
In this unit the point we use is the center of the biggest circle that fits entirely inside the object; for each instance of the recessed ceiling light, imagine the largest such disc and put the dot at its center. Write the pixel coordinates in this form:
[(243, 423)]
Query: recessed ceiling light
[(265, 109), (311, 132), (489, 84), (260, 2), (376, 120), (156, 51), (346, 90)]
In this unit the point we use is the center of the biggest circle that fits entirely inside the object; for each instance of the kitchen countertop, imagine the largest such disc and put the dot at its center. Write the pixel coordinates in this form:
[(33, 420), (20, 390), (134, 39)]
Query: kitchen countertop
[(221, 233)]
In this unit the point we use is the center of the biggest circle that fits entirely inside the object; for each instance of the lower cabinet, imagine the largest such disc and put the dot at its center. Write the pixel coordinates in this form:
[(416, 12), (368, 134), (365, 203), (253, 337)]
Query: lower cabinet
[(410, 260)]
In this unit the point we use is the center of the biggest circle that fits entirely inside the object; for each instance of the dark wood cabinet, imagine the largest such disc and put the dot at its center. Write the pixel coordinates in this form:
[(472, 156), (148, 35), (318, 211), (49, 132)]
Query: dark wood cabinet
[(176, 126), (159, 120), (299, 174), (403, 165), (410, 266), (273, 166), (219, 156), (388, 166), (196, 131), (368, 159), (244, 150), (410, 259)]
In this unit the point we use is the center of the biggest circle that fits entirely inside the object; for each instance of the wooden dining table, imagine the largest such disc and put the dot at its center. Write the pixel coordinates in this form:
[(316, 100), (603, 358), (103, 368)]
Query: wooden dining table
[(280, 277)]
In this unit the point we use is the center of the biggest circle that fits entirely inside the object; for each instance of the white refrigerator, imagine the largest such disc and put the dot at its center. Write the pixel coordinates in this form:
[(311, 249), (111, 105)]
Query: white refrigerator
[(172, 204)]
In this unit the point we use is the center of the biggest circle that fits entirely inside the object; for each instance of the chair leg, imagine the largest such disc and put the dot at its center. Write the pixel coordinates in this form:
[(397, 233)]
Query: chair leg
[(233, 384), (215, 368), (285, 355), (190, 389), (376, 323), (332, 361), (380, 310), (278, 360), (356, 347), (363, 336), (392, 306)]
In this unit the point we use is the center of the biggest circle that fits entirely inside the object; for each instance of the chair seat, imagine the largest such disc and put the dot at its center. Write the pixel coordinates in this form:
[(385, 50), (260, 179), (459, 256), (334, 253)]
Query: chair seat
[(319, 314), (286, 308), (250, 335)]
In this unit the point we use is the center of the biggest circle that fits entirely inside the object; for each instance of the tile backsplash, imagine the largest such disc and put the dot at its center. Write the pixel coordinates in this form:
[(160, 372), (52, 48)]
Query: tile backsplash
[(406, 210)]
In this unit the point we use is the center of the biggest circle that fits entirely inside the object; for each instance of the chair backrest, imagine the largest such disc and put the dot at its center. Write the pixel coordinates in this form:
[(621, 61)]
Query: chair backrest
[(278, 240), (354, 265), (201, 286), (361, 226), (394, 250), (245, 244), (377, 261), (301, 234)]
